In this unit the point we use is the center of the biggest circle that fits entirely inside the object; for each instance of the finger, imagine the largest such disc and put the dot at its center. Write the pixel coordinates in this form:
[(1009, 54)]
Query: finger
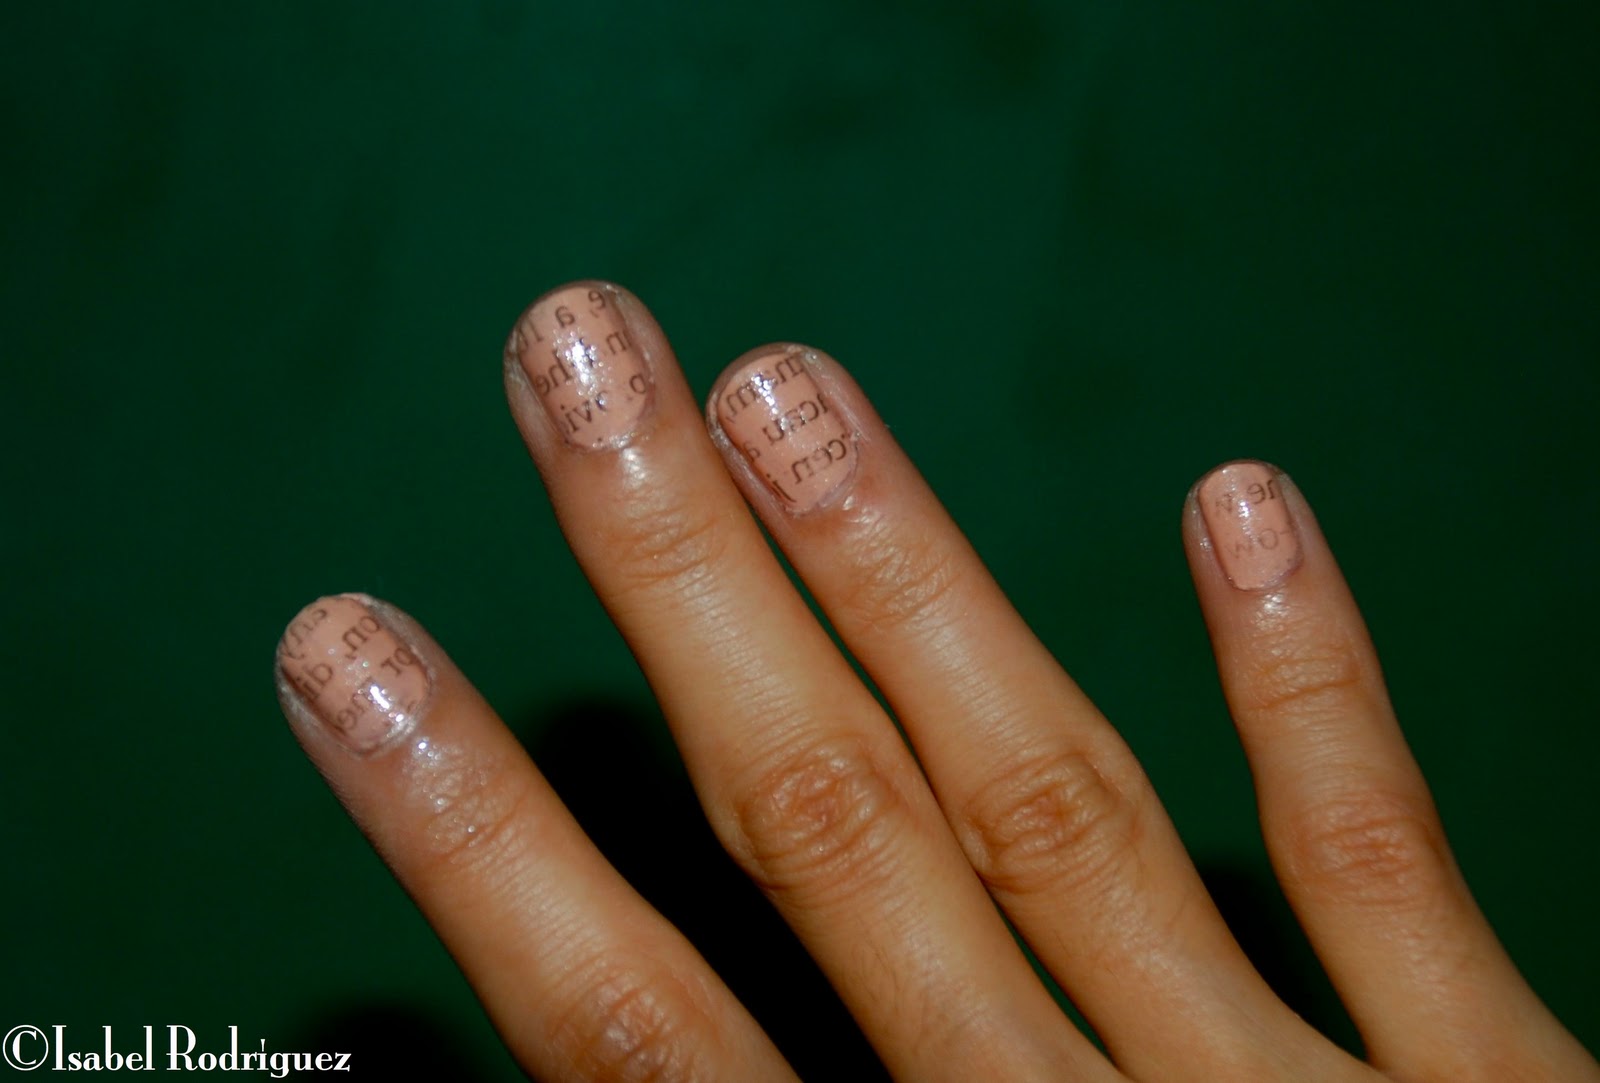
[(581, 978), (802, 776), (1349, 823), (1049, 804)]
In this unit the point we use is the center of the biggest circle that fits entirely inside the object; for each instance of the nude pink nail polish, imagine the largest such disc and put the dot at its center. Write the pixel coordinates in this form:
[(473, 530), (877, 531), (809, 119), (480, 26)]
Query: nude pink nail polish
[(353, 672), (786, 426), (1252, 530), (584, 364)]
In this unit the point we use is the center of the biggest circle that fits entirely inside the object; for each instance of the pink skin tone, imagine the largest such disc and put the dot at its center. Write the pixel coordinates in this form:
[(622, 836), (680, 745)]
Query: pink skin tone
[(889, 861)]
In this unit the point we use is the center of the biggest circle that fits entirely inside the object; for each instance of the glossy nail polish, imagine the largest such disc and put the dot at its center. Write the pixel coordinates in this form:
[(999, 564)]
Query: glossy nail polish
[(785, 425), (584, 364), (353, 672), (1252, 530)]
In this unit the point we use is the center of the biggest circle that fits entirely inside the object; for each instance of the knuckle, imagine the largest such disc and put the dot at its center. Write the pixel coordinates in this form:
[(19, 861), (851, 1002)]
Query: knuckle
[(477, 811), (899, 579), (1305, 684), (625, 1025), (1373, 850), (820, 821), (654, 542), (1051, 822)]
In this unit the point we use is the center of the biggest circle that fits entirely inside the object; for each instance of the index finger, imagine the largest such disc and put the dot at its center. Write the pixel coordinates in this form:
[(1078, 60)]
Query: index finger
[(581, 977)]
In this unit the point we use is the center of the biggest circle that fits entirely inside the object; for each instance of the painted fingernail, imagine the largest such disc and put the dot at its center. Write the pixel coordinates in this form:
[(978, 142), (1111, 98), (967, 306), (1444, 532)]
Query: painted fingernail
[(1252, 530), (784, 424), (584, 364), (353, 672)]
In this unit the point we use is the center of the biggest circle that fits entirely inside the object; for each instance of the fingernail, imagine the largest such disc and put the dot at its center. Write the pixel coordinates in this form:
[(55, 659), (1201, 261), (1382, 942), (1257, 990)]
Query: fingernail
[(774, 412), (1252, 530), (584, 364), (353, 672)]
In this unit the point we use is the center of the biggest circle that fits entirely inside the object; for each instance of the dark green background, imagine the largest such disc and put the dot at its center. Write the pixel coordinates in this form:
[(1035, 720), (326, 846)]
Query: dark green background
[(259, 260)]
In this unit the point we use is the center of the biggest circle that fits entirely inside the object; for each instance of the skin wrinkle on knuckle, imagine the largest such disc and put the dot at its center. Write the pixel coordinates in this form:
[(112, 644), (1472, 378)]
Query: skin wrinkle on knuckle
[(1369, 850), (819, 822), (718, 624), (631, 1024), (1050, 822), (488, 841), (898, 580), (662, 542), (1303, 682), (474, 806)]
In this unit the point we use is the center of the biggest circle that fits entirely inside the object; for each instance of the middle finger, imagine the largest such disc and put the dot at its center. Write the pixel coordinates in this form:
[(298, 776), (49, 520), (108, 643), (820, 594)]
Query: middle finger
[(803, 777)]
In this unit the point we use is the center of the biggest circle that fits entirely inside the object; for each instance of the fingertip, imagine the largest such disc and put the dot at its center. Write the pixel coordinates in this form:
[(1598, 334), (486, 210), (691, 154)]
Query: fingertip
[(349, 668), (785, 424), (581, 365), (1243, 518)]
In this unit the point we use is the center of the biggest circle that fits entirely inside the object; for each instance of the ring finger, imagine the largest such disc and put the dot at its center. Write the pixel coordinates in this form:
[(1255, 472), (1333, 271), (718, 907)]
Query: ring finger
[(1049, 804)]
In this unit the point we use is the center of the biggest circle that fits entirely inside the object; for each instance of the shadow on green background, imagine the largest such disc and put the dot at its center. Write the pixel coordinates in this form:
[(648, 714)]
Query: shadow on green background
[(258, 261)]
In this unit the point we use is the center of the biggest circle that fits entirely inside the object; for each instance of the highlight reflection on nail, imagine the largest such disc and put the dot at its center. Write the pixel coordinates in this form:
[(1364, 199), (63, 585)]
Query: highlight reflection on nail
[(1252, 530), (582, 361), (353, 672), (786, 427)]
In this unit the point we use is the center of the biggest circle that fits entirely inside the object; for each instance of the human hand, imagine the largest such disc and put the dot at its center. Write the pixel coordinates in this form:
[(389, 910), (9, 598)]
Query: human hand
[(889, 872)]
